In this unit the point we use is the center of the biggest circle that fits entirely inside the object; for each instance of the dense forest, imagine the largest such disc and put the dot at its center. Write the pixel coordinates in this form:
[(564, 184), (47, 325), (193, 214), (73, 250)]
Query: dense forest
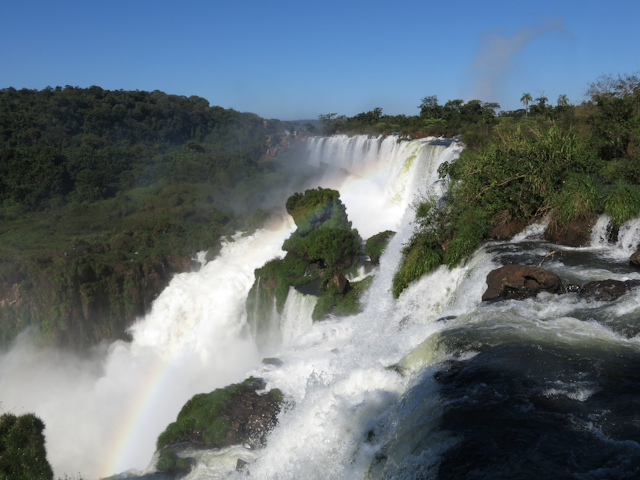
[(105, 194)]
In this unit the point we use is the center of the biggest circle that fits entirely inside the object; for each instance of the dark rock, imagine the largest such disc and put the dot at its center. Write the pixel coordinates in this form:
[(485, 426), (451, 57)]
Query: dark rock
[(446, 319), (576, 234), (507, 230), (603, 290), (520, 281), (631, 284), (635, 258), (276, 362), (341, 281), (241, 465)]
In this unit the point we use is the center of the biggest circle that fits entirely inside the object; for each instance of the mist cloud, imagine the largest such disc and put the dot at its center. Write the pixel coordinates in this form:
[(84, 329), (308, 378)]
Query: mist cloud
[(497, 51)]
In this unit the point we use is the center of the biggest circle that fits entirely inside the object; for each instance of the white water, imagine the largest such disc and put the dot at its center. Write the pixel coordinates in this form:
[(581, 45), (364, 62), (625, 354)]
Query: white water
[(335, 372), (103, 413)]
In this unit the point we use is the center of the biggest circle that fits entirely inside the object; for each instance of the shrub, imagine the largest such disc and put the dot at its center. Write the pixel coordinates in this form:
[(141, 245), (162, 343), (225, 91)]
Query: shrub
[(377, 244), (579, 197), (22, 448), (622, 203)]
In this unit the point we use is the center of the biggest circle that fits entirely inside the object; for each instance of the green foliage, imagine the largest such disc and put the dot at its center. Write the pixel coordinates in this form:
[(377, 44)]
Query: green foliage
[(319, 208), (376, 245), (579, 197), (86, 144), (622, 203), (520, 170), (330, 246), (22, 448), (331, 303), (169, 461), (201, 414), (418, 260)]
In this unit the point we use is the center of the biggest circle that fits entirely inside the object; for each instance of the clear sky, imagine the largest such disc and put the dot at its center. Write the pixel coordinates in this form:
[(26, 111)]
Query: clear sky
[(294, 60)]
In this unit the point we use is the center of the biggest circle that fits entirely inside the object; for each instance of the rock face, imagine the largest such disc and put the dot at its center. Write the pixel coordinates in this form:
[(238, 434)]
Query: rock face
[(520, 281), (635, 259), (603, 290), (576, 234), (234, 415), (507, 230), (341, 282)]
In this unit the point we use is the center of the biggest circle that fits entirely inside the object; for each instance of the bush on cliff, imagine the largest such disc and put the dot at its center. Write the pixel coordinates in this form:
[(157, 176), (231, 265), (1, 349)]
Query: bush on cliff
[(376, 245), (22, 448)]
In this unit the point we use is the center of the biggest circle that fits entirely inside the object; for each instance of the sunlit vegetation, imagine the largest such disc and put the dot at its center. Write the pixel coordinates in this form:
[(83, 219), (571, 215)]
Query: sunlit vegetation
[(568, 162)]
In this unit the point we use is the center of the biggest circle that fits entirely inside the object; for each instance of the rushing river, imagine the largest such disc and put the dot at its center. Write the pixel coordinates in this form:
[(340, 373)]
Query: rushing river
[(434, 384)]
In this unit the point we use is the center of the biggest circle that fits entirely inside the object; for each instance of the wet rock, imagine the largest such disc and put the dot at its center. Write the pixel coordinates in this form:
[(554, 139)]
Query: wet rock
[(603, 290), (446, 319), (635, 259), (276, 362), (630, 284), (520, 281), (240, 466), (341, 282), (572, 288), (507, 230), (240, 414), (576, 234)]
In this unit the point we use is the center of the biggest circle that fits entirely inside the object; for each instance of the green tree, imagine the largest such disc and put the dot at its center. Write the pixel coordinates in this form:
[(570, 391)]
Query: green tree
[(563, 101)]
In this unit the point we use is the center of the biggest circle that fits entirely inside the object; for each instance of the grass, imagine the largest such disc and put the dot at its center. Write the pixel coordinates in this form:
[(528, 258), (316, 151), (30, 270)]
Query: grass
[(622, 202)]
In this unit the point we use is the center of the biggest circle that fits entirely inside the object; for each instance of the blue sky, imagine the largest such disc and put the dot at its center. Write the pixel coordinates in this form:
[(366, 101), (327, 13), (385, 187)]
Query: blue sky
[(293, 60)]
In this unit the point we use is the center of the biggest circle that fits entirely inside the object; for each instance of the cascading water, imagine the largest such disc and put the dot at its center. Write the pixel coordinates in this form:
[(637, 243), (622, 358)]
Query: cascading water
[(433, 384)]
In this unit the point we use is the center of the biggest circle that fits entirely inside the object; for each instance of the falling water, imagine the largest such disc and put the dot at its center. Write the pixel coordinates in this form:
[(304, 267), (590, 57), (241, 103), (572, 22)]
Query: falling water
[(434, 384)]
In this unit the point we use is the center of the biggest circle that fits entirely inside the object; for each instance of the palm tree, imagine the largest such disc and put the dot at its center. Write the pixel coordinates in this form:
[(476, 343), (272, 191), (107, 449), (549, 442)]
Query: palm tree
[(526, 98), (563, 100)]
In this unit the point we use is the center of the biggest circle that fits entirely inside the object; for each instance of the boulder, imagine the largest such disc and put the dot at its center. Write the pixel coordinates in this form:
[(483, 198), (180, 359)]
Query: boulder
[(576, 234), (635, 258), (520, 281), (603, 290)]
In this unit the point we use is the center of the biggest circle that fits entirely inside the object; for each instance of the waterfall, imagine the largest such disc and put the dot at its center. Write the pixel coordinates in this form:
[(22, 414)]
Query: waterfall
[(432, 384)]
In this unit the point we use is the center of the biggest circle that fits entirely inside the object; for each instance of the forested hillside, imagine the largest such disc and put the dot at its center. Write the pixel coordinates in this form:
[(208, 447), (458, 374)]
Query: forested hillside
[(105, 194)]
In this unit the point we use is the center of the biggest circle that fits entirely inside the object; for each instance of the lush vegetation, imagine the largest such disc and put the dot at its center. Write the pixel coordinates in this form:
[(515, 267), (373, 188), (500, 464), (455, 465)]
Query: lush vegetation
[(323, 246), (377, 244), (104, 194), (569, 162), (22, 448), (331, 302), (207, 417)]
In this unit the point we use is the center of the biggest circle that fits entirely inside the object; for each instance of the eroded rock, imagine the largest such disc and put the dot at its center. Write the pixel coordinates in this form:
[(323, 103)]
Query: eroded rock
[(576, 234), (520, 281)]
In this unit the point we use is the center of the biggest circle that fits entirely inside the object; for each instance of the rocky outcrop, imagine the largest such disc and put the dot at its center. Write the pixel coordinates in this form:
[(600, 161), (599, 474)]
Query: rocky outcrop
[(506, 230), (519, 282), (239, 414), (341, 282), (576, 234), (604, 290)]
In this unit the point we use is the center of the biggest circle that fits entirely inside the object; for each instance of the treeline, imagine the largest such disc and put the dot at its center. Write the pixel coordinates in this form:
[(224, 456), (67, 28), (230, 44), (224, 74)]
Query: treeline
[(571, 163), (73, 144)]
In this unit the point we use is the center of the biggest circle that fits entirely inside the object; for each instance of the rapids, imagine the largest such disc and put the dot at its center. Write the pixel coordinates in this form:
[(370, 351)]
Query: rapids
[(433, 384)]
